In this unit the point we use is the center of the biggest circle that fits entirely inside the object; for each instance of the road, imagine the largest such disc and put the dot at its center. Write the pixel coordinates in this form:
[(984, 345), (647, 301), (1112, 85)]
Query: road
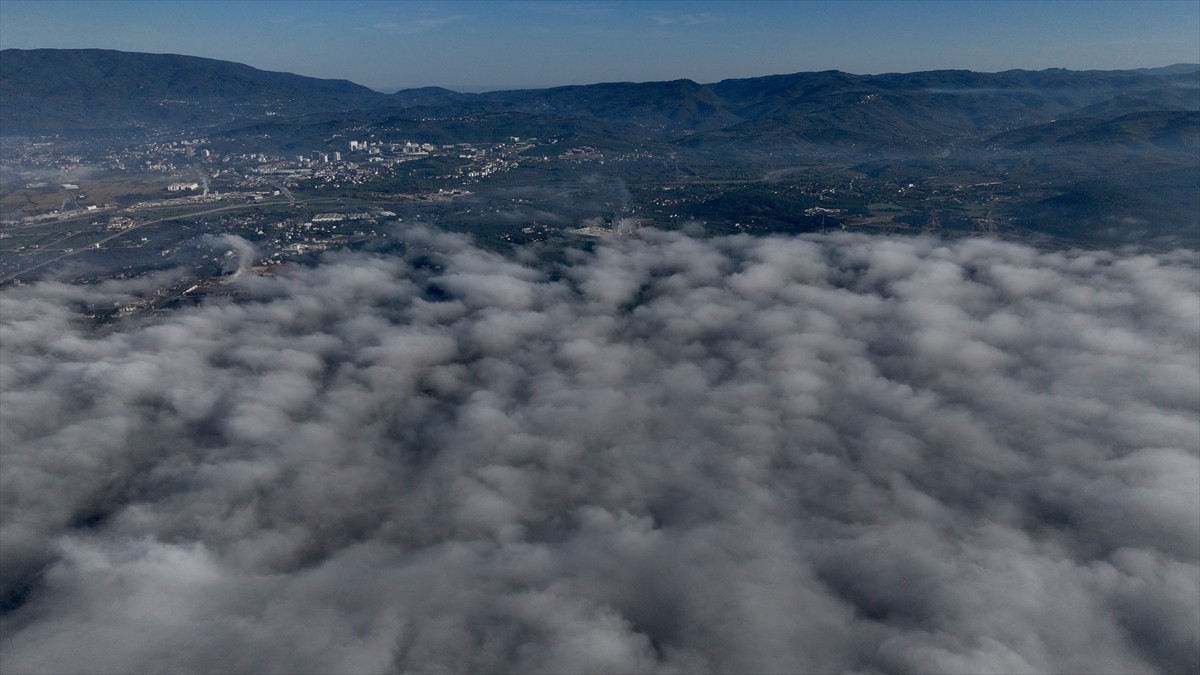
[(42, 223), (773, 176), (287, 193), (122, 233)]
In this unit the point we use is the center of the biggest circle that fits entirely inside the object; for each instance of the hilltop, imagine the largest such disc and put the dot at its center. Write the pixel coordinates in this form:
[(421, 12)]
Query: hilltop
[(100, 89)]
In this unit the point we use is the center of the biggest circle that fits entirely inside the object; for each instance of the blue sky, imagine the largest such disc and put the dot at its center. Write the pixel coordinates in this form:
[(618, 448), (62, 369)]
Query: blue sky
[(494, 45)]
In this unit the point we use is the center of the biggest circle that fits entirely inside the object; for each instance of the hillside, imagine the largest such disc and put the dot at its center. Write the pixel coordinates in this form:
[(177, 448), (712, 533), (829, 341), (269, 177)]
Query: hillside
[(1178, 130), (92, 90), (46, 90)]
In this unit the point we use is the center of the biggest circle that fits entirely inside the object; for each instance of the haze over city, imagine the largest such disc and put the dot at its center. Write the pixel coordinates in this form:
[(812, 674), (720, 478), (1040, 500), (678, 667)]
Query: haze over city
[(476, 46)]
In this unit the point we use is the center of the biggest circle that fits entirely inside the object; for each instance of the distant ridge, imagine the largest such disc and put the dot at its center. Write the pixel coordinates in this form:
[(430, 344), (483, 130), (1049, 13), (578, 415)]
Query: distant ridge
[(1173, 69), (428, 96), (93, 90)]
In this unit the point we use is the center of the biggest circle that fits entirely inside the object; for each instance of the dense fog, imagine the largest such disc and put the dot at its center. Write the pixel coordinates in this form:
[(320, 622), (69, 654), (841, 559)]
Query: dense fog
[(667, 454)]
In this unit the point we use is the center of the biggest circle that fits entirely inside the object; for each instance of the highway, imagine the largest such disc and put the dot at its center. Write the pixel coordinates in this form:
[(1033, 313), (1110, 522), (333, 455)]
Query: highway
[(122, 233), (287, 193)]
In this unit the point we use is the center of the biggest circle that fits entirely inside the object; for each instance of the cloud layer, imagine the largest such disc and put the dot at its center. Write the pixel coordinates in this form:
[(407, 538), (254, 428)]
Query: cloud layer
[(838, 454)]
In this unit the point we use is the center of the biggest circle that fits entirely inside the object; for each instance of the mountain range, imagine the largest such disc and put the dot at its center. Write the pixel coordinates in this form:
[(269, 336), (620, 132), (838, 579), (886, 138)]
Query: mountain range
[(103, 91)]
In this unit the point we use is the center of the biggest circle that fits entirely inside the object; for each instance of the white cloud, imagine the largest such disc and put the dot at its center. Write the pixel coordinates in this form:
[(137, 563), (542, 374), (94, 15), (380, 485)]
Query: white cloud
[(833, 453)]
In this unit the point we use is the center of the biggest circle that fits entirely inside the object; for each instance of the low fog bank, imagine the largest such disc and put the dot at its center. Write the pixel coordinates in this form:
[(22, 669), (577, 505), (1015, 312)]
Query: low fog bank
[(823, 454)]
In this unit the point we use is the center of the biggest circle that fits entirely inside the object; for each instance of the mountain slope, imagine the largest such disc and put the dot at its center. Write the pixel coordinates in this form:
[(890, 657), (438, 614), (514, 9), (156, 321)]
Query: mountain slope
[(1170, 129), (94, 91), (97, 89)]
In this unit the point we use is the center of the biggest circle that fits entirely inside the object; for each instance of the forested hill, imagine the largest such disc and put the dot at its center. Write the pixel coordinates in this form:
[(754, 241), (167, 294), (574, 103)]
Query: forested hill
[(90, 90), (95, 89)]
